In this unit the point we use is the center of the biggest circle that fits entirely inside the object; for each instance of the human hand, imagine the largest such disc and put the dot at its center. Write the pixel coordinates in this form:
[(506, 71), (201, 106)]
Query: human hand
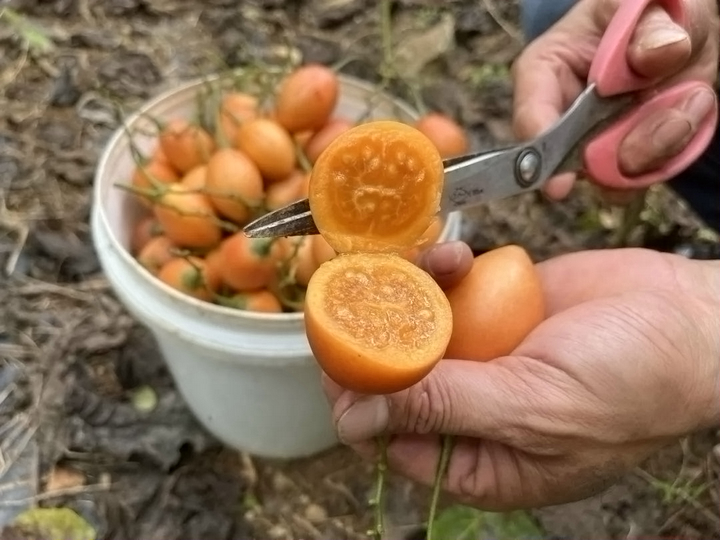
[(552, 70), (627, 360)]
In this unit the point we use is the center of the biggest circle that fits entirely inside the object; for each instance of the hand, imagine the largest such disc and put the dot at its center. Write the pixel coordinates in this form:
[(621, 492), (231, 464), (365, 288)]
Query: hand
[(627, 361), (552, 70)]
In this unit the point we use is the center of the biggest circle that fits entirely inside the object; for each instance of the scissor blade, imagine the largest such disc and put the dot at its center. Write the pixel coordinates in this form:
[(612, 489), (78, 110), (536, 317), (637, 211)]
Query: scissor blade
[(487, 176), (294, 219), (469, 180)]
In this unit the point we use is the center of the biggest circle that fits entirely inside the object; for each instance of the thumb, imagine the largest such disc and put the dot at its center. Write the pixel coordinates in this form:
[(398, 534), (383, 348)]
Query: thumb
[(660, 47), (458, 397)]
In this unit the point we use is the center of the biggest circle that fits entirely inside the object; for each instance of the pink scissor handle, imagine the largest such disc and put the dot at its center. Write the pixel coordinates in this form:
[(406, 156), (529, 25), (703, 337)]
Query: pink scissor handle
[(601, 154), (610, 70)]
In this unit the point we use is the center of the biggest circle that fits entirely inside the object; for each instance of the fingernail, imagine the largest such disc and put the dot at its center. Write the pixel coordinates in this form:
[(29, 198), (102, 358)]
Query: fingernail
[(664, 36), (364, 419), (671, 136), (443, 259), (700, 104)]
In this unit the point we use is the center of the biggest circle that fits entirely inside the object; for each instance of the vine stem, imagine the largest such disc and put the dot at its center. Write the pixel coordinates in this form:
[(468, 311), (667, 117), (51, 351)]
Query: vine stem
[(378, 500), (446, 445), (386, 38)]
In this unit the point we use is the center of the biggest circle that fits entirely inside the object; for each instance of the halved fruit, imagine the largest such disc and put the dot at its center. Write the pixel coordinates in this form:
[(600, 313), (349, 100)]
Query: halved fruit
[(376, 323), (376, 188)]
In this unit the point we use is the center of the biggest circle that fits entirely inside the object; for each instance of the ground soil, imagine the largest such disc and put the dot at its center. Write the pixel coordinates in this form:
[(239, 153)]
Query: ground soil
[(71, 357)]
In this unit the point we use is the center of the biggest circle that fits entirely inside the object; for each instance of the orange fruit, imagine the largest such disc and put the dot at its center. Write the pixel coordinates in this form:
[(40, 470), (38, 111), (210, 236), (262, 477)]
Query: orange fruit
[(250, 263), (446, 134), (269, 146), (496, 305), (235, 108), (186, 275), (157, 252), (376, 187), (324, 136), (234, 184), (306, 98), (187, 218), (186, 145), (376, 323)]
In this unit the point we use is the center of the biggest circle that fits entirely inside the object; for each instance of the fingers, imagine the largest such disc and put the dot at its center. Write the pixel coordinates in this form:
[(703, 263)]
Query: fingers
[(546, 78), (664, 134), (446, 401), (660, 47), (446, 262), (552, 71), (560, 186)]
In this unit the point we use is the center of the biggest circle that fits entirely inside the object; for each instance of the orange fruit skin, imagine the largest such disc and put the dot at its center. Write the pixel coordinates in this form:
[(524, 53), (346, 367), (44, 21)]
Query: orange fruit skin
[(376, 188), (303, 261), (446, 134), (159, 155), (153, 173), (306, 98), (213, 270), (155, 253), (495, 306), (250, 263), (188, 218), (260, 301), (186, 275), (145, 230), (353, 362), (186, 145), (303, 137), (236, 108), (432, 233), (285, 191), (230, 173), (322, 251), (269, 146), (195, 178), (324, 136), (151, 177), (429, 237)]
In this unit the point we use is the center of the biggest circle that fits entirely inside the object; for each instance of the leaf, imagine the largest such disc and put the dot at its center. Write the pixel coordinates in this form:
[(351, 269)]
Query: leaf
[(458, 523), (420, 49), (35, 36), (55, 524), (466, 523), (516, 525)]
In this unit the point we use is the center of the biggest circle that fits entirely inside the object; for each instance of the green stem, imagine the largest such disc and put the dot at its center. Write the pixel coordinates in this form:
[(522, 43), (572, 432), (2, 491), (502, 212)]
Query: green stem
[(631, 219), (386, 37), (446, 445), (378, 501)]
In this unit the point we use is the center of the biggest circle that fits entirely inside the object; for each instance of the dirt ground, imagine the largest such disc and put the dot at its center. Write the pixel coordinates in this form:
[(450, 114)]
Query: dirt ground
[(71, 358)]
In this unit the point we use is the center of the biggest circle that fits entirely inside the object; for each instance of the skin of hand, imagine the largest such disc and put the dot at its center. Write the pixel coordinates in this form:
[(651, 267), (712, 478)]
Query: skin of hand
[(552, 71), (627, 361)]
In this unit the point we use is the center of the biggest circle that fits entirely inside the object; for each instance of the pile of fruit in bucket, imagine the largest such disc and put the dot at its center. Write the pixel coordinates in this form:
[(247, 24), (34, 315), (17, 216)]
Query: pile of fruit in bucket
[(250, 150)]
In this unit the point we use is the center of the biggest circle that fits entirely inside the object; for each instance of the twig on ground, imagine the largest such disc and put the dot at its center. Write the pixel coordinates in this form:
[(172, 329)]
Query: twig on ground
[(12, 222), (75, 291), (494, 12), (79, 490)]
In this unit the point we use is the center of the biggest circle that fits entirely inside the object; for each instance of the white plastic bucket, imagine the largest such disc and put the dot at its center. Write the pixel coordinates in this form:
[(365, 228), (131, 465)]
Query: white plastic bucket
[(249, 378)]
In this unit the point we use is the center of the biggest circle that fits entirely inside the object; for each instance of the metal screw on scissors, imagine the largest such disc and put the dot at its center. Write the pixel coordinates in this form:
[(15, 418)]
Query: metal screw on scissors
[(587, 137)]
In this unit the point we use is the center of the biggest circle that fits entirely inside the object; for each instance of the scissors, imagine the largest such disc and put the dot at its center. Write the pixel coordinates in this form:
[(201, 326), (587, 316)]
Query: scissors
[(587, 137)]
